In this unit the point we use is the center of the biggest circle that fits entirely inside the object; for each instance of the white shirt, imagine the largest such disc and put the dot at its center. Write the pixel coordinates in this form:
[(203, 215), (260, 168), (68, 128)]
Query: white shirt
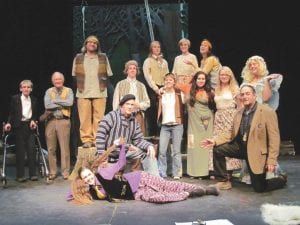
[(26, 108), (168, 108)]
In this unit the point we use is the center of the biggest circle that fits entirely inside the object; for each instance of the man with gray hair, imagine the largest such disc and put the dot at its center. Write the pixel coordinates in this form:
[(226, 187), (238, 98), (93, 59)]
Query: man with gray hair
[(58, 99), (21, 121), (255, 137)]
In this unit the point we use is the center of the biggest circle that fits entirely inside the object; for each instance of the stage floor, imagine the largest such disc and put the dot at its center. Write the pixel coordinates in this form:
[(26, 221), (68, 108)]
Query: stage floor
[(44, 204)]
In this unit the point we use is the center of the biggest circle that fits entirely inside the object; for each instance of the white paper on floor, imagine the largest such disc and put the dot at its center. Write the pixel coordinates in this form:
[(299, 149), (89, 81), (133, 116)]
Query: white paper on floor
[(208, 222)]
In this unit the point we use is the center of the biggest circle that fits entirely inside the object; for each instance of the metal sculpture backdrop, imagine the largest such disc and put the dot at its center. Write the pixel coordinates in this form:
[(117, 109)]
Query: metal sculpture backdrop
[(124, 32)]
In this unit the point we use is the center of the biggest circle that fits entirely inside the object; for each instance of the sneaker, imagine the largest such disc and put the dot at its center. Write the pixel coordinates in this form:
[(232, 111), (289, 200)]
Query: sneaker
[(34, 178), (176, 178), (224, 185)]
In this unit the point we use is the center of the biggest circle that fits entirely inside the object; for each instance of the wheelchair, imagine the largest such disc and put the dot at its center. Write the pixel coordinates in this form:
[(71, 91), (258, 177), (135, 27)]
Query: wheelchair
[(41, 156)]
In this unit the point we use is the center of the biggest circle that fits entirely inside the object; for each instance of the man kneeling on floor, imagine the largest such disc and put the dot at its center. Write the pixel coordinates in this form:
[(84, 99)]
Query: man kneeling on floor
[(255, 137), (123, 123)]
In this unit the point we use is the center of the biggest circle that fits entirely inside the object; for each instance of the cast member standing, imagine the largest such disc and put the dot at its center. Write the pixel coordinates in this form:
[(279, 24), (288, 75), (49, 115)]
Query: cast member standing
[(91, 69), (58, 99), (201, 107), (209, 63), (155, 67), (21, 121), (186, 64), (227, 102), (170, 115), (131, 85), (255, 72)]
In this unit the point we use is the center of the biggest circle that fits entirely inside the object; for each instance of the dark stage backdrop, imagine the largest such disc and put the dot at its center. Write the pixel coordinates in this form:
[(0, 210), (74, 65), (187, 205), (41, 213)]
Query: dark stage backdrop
[(36, 40)]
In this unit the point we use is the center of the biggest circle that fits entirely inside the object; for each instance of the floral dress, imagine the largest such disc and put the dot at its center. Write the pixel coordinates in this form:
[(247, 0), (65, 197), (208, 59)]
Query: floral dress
[(223, 122)]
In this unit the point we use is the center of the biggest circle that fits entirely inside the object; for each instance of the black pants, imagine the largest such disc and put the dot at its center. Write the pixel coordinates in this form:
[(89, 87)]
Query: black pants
[(25, 143), (151, 115), (235, 149)]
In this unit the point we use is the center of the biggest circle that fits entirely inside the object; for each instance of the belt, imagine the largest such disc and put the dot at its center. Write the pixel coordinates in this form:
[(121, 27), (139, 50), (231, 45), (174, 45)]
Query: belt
[(59, 118), (171, 125), (25, 121)]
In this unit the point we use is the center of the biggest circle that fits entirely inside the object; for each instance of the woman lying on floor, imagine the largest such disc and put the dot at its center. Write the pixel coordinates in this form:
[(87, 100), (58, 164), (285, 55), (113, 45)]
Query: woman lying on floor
[(106, 184)]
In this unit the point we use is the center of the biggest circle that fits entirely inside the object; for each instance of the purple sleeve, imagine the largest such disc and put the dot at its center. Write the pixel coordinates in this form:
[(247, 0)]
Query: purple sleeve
[(109, 171), (69, 196)]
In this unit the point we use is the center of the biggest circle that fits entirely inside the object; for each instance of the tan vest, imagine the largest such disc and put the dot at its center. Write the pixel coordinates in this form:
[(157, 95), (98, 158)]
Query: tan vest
[(65, 91), (158, 71), (80, 74), (178, 108), (124, 88)]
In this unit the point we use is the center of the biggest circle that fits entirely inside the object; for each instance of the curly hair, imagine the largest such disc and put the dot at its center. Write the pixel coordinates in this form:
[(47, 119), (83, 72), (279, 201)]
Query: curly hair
[(263, 71)]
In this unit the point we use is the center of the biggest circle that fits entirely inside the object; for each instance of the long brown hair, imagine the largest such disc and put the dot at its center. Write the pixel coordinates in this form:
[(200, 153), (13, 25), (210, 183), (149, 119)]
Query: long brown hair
[(80, 190), (207, 88)]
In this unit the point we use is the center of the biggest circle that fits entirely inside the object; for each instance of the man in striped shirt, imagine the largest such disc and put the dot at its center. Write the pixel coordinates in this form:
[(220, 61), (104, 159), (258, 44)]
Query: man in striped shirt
[(121, 123)]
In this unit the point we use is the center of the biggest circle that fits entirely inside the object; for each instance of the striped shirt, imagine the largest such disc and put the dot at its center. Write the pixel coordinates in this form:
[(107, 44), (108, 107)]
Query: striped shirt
[(115, 125)]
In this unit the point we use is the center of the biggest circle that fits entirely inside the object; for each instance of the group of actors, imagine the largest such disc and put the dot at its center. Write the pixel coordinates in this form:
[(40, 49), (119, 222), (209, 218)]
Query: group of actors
[(228, 126)]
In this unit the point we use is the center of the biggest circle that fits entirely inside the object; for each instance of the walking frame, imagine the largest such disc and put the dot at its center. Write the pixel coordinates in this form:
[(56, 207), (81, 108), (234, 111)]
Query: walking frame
[(41, 156)]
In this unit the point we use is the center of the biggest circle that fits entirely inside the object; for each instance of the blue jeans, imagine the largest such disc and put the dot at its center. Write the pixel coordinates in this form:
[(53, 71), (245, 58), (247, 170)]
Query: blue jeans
[(149, 164), (175, 133)]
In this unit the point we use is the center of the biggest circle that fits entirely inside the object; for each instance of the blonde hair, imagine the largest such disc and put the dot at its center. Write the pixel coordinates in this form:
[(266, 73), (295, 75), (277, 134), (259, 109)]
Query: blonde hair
[(184, 40), (233, 84), (263, 71), (170, 75), (129, 63), (150, 48)]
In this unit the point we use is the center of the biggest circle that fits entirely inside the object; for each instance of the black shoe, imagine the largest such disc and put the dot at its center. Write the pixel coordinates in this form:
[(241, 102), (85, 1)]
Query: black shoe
[(197, 193), (34, 178), (212, 190), (21, 179), (283, 176)]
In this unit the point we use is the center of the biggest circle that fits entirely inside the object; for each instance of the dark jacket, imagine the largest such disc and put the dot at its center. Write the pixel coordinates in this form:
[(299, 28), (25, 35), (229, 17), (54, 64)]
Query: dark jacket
[(15, 113)]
